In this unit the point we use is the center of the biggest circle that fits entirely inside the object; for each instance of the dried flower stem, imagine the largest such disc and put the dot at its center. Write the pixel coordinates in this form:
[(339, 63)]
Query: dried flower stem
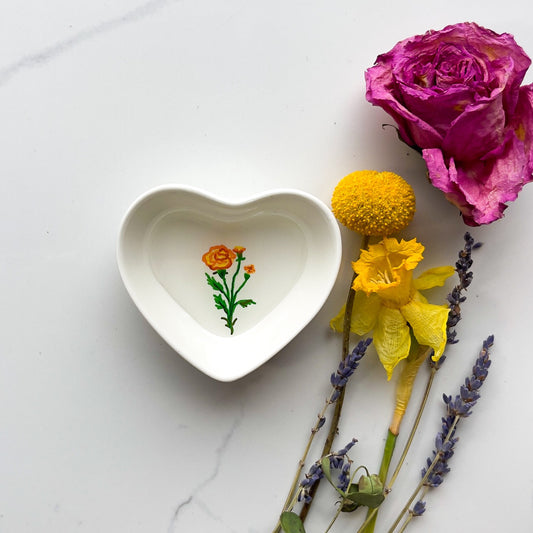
[(429, 471), (339, 403), (412, 514), (301, 462), (334, 518)]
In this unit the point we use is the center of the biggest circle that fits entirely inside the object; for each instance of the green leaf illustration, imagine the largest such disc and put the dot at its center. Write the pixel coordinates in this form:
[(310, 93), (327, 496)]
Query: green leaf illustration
[(245, 303), (220, 303), (212, 282)]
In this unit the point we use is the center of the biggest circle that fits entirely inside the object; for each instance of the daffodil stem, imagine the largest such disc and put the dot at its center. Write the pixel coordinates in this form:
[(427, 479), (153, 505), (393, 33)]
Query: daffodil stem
[(390, 443), (403, 395), (333, 427), (372, 514)]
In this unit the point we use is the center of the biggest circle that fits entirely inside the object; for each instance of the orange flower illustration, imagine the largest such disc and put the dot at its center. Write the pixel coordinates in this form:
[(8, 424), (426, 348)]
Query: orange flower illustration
[(218, 257), (226, 286)]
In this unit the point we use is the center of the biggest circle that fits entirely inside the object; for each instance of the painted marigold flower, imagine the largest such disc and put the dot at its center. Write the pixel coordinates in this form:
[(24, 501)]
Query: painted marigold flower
[(249, 269), (218, 257), (373, 203), (239, 250), (388, 302)]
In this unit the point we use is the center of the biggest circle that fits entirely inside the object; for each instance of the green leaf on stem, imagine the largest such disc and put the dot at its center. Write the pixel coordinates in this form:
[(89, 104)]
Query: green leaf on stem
[(244, 303), (291, 523), (220, 303), (348, 505), (326, 468), (212, 282), (368, 492)]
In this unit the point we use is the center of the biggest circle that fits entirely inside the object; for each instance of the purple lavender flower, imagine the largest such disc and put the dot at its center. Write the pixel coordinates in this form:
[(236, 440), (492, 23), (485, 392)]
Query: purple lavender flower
[(336, 461), (315, 473), (457, 408), (347, 367), (344, 477), (455, 298), (419, 508)]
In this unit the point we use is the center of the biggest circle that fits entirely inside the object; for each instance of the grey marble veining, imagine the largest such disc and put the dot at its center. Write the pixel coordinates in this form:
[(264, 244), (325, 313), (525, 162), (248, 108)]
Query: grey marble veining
[(218, 458), (50, 52)]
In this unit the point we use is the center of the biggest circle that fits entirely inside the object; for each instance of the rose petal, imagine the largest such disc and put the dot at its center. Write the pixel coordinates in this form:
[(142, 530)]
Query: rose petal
[(382, 91), (481, 188), (479, 129), (495, 46), (445, 178), (439, 110), (523, 123), (488, 185)]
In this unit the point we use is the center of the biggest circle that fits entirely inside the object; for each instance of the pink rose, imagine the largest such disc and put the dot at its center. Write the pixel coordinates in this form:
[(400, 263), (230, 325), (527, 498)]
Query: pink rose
[(455, 95)]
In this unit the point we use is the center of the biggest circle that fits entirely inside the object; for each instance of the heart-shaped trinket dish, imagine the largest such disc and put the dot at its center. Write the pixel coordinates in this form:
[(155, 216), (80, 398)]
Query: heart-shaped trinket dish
[(228, 284)]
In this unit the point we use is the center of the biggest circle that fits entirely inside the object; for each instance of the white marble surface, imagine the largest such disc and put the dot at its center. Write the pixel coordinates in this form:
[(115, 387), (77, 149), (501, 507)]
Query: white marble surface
[(103, 427)]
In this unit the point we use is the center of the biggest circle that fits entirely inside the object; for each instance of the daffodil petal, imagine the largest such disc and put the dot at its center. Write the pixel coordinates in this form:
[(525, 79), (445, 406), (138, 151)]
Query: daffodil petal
[(434, 277), (392, 339), (419, 297), (364, 315), (337, 323), (365, 312), (428, 323)]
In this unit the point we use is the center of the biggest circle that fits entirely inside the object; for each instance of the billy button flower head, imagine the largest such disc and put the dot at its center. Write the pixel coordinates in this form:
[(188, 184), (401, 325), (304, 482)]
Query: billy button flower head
[(388, 302), (373, 203)]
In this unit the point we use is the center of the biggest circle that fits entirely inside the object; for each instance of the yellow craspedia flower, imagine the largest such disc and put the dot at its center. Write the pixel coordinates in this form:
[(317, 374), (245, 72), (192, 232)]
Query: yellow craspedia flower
[(373, 203), (388, 302)]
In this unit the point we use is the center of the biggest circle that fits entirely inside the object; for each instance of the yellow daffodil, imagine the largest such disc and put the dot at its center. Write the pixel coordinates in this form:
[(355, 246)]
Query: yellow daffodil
[(388, 302)]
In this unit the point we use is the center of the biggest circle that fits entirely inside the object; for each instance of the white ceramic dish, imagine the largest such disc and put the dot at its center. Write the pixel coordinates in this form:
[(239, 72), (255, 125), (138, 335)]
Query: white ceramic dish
[(293, 253)]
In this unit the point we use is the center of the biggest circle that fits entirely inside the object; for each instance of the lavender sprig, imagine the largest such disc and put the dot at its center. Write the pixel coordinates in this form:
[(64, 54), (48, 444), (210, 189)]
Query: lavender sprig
[(338, 381), (346, 368), (457, 408), (456, 298), (316, 472)]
